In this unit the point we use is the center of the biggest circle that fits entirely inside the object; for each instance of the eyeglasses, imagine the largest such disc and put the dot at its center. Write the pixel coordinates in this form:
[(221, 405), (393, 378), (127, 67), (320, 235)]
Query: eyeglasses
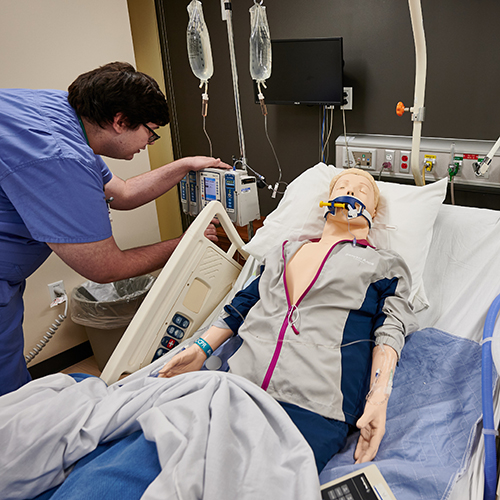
[(154, 136)]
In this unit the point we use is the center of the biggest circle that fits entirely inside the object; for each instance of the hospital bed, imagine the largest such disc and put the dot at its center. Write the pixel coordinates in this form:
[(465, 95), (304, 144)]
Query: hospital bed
[(433, 444)]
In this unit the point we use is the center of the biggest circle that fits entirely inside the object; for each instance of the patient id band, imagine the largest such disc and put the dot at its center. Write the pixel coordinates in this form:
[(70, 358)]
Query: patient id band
[(205, 346)]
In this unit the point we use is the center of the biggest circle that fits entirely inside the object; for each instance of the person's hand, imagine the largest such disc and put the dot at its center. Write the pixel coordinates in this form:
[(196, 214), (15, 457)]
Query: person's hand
[(188, 360), (199, 162), (211, 231), (372, 427)]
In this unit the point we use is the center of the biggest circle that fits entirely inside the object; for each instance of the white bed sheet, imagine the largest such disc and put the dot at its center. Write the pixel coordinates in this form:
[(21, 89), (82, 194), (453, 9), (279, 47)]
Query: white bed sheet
[(462, 278), (462, 272)]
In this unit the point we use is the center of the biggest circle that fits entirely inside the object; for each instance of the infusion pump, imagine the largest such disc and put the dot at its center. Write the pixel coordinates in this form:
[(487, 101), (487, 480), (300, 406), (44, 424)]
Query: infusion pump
[(235, 189)]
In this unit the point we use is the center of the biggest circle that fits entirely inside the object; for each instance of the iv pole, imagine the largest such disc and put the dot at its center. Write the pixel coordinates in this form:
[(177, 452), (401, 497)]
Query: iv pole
[(227, 15)]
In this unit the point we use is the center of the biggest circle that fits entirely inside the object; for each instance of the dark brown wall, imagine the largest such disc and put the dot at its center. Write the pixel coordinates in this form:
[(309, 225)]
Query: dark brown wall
[(463, 74)]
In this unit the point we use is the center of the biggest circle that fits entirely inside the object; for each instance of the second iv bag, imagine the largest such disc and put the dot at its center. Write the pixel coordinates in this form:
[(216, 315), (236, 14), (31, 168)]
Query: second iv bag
[(260, 44), (198, 43)]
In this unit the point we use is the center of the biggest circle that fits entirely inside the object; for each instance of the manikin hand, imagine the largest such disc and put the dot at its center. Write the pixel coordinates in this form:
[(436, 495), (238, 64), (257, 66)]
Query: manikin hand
[(192, 358), (372, 426), (188, 360)]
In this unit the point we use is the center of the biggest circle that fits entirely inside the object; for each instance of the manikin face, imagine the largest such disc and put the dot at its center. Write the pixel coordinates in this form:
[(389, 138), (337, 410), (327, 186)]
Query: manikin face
[(357, 186)]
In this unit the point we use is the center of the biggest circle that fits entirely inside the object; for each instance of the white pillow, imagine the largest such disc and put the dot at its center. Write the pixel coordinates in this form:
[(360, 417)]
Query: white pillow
[(404, 221)]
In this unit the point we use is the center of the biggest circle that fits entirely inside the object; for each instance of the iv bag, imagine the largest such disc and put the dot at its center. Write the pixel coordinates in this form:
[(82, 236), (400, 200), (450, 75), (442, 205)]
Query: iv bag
[(198, 43), (260, 44)]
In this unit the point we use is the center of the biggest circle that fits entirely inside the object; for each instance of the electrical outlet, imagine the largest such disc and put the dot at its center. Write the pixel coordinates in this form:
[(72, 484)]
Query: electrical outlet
[(347, 99), (404, 162), (56, 289)]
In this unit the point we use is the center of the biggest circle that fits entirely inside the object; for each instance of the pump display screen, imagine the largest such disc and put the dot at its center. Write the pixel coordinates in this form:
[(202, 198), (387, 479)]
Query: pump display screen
[(210, 188)]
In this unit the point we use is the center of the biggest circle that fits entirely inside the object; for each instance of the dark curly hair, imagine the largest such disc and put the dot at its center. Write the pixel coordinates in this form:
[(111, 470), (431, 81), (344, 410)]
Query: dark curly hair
[(117, 87)]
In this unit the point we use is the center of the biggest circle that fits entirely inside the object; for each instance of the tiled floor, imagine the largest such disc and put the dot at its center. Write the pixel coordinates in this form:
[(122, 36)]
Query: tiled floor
[(88, 365)]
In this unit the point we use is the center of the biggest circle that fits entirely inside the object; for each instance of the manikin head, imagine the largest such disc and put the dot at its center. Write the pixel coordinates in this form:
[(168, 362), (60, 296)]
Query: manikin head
[(357, 184)]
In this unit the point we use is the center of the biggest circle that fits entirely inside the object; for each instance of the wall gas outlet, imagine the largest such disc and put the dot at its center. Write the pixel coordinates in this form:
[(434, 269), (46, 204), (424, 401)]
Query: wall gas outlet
[(456, 167), (429, 162)]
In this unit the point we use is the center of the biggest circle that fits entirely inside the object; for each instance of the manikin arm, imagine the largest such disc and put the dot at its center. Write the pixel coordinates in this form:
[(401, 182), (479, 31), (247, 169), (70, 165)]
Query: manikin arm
[(192, 358), (372, 422)]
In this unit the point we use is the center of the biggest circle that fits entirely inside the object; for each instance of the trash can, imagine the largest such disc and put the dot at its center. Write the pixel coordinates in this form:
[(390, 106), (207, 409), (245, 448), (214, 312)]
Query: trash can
[(106, 310)]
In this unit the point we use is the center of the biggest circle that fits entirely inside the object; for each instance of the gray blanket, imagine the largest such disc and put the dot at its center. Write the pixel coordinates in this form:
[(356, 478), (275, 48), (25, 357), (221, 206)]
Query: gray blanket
[(218, 436)]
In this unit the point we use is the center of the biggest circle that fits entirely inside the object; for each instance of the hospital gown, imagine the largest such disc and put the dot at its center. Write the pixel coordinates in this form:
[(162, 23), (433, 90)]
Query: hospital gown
[(51, 190), (316, 354)]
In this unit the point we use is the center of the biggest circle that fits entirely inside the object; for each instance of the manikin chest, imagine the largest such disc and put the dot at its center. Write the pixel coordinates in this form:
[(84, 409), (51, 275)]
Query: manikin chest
[(302, 268)]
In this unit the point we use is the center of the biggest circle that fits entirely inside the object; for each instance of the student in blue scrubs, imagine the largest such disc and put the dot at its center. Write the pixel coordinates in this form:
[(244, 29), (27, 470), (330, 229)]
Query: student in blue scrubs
[(54, 186)]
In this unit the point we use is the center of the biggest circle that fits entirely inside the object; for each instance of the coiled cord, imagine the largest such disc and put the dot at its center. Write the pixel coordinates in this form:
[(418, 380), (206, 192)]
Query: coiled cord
[(47, 337)]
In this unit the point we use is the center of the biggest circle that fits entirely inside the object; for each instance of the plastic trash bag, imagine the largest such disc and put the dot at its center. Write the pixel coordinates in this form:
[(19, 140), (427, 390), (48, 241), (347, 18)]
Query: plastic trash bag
[(110, 305)]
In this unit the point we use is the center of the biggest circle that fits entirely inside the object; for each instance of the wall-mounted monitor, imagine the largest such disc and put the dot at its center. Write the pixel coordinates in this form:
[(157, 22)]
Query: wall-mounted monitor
[(307, 71)]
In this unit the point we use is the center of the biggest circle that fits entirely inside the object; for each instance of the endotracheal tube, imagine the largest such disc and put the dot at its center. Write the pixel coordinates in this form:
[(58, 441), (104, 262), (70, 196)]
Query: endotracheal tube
[(260, 66), (200, 54)]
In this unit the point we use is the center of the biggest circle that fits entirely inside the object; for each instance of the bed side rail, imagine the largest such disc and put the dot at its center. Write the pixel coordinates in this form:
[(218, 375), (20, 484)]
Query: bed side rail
[(193, 282)]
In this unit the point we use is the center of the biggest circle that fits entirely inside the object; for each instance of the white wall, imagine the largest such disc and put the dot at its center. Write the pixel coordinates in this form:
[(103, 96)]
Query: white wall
[(46, 44)]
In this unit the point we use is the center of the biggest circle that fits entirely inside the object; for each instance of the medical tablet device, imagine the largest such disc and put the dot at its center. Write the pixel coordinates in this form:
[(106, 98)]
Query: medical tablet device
[(364, 484)]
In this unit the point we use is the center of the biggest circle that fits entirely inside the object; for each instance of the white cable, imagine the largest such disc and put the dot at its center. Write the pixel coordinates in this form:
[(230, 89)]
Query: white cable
[(345, 139), (327, 138)]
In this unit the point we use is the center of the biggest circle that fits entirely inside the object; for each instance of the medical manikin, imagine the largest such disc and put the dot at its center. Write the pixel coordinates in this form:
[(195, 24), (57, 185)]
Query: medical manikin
[(322, 326)]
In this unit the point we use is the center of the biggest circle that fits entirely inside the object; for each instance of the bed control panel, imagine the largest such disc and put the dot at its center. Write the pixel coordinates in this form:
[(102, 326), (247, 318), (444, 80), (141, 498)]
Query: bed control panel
[(173, 335)]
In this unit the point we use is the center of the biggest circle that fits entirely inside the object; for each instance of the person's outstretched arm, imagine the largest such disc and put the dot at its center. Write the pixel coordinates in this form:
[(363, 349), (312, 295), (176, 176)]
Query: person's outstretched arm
[(139, 190)]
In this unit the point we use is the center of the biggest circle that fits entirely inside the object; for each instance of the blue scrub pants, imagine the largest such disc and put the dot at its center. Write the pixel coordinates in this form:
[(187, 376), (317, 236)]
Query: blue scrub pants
[(13, 370)]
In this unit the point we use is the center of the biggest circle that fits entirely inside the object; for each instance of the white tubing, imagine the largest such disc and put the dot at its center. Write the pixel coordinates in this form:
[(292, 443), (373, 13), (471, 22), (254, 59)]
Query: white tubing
[(420, 74)]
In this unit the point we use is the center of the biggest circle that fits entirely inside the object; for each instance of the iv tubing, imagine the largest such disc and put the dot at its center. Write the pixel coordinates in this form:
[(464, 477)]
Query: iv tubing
[(420, 74), (490, 459), (230, 36)]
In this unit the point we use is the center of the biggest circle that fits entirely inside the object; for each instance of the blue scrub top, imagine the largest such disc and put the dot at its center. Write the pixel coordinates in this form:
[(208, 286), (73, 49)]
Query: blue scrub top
[(51, 190)]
